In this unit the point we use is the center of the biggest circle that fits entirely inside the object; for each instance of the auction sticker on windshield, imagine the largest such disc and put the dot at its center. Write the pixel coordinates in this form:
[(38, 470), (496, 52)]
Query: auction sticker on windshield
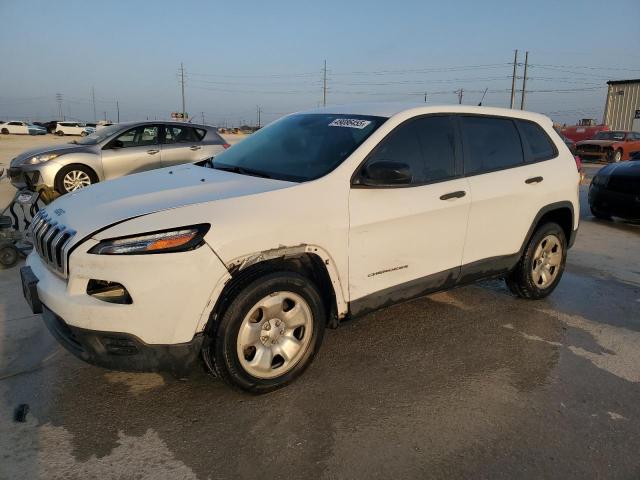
[(350, 123)]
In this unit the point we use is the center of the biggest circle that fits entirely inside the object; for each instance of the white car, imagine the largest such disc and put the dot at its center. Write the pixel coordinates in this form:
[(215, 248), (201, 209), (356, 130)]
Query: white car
[(21, 128), (73, 128), (319, 216)]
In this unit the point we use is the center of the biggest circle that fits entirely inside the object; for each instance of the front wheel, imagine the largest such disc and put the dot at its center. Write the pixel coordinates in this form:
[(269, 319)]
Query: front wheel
[(60, 133), (74, 177), (617, 156), (541, 266), (5, 131), (8, 256), (269, 334)]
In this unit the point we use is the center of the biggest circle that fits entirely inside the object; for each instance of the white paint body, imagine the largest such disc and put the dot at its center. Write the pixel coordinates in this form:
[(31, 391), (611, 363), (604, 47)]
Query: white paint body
[(15, 127), (73, 128), (356, 232)]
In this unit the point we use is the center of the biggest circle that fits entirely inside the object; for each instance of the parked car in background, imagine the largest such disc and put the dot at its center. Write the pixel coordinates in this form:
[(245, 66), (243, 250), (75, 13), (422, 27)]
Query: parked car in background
[(102, 124), (74, 128), (21, 128), (584, 130), (320, 215), (611, 146), (115, 151), (615, 190)]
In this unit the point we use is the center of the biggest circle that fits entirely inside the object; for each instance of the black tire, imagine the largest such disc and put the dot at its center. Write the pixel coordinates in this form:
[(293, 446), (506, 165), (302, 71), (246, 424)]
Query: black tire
[(5, 131), (520, 281), (60, 133), (59, 180), (600, 215), (8, 256), (221, 348)]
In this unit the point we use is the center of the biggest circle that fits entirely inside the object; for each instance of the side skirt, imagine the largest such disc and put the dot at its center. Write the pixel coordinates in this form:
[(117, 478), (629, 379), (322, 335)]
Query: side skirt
[(445, 280)]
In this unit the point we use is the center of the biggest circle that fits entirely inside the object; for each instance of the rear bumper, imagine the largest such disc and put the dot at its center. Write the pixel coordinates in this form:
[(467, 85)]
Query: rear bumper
[(123, 351), (623, 205)]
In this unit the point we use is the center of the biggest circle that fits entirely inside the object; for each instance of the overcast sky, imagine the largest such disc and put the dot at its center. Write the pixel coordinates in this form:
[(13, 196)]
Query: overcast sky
[(241, 54)]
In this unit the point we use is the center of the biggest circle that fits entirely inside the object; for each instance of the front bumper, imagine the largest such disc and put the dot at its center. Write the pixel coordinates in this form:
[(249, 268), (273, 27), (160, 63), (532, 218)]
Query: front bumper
[(123, 351), (624, 205), (39, 174), (597, 156)]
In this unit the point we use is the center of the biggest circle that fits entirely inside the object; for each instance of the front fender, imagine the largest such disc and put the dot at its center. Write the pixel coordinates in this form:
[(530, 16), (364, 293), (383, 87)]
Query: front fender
[(91, 160)]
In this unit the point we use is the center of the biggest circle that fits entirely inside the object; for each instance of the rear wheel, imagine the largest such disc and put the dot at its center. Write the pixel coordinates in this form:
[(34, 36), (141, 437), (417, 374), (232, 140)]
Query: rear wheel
[(269, 334), (541, 265), (5, 131), (74, 177), (60, 133)]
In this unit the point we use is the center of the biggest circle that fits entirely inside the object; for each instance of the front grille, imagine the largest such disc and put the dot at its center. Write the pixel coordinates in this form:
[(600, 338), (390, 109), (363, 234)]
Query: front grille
[(590, 148), (51, 241)]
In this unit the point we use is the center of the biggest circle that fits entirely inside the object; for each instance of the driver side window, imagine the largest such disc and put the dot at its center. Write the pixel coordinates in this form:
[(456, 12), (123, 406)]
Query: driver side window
[(141, 136), (427, 145)]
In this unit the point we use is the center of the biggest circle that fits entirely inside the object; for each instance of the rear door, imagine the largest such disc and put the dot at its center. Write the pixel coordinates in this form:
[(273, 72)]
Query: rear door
[(183, 144), (509, 179), (403, 240), (136, 150)]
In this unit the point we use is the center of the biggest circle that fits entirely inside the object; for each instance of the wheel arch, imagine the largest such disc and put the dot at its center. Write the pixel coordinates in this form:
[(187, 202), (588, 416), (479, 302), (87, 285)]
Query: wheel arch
[(71, 163), (561, 213), (310, 261)]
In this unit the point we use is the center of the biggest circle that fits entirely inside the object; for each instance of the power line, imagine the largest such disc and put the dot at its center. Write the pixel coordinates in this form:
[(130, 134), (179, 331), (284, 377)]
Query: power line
[(324, 85), (513, 79), (182, 87)]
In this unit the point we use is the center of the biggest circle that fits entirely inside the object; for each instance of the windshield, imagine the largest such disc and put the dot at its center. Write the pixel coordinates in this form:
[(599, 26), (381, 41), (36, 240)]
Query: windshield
[(609, 136), (300, 147), (99, 135)]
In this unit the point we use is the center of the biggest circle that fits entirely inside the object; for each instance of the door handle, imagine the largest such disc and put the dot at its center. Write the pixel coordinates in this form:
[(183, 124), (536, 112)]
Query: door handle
[(534, 180), (194, 147), (458, 194), (152, 152)]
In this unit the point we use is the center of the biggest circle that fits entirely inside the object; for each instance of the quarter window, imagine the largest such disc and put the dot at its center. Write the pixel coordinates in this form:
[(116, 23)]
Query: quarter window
[(490, 144), (539, 143), (426, 145)]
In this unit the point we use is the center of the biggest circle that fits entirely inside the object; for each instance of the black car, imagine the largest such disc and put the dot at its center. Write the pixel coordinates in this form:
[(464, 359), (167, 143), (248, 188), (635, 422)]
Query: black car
[(615, 190)]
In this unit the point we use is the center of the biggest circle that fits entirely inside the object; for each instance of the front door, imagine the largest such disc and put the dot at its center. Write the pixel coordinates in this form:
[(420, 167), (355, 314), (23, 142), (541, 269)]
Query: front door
[(135, 150), (408, 240)]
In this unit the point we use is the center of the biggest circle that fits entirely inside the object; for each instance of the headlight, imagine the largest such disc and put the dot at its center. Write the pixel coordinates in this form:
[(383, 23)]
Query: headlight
[(177, 240), (600, 180), (42, 158)]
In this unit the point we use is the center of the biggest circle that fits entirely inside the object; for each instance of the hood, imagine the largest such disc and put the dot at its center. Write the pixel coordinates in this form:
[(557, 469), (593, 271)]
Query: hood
[(59, 149), (106, 203), (626, 169), (602, 143)]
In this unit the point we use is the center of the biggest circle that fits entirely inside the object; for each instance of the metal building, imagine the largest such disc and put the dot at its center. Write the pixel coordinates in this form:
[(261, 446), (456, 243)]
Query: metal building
[(622, 110)]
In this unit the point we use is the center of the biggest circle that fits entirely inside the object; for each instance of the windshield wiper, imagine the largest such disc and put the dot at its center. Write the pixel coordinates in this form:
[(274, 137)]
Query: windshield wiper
[(241, 170)]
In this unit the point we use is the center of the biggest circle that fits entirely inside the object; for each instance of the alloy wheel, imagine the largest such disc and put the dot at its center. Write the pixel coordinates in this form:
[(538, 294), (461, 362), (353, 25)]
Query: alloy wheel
[(75, 180)]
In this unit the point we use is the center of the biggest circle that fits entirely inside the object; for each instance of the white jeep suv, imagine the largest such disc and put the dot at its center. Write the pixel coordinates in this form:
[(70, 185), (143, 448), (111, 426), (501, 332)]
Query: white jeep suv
[(319, 216)]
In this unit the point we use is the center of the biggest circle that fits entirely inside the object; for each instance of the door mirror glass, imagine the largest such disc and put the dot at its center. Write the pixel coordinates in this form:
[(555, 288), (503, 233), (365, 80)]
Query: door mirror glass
[(385, 173)]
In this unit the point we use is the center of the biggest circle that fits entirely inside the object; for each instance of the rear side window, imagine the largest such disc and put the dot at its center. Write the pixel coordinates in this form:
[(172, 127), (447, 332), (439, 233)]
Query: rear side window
[(490, 144), (539, 144), (180, 134)]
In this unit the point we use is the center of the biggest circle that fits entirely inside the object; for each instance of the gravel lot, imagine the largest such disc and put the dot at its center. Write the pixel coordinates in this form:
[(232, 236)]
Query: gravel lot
[(472, 383)]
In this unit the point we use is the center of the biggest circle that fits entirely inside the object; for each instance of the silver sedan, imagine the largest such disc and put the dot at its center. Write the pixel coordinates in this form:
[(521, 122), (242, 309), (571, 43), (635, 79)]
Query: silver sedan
[(115, 151)]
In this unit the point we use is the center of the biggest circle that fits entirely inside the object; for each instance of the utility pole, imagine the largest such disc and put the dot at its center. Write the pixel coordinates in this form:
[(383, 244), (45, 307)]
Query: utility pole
[(59, 100), (118, 110), (182, 85), (259, 111), (482, 99), (524, 79), (425, 97), (460, 93), (105, 116), (513, 79), (324, 85), (93, 99), (202, 117)]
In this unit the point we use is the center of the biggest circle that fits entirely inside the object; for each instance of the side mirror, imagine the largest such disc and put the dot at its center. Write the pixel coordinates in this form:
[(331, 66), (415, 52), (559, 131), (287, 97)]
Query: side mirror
[(116, 144), (385, 173)]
